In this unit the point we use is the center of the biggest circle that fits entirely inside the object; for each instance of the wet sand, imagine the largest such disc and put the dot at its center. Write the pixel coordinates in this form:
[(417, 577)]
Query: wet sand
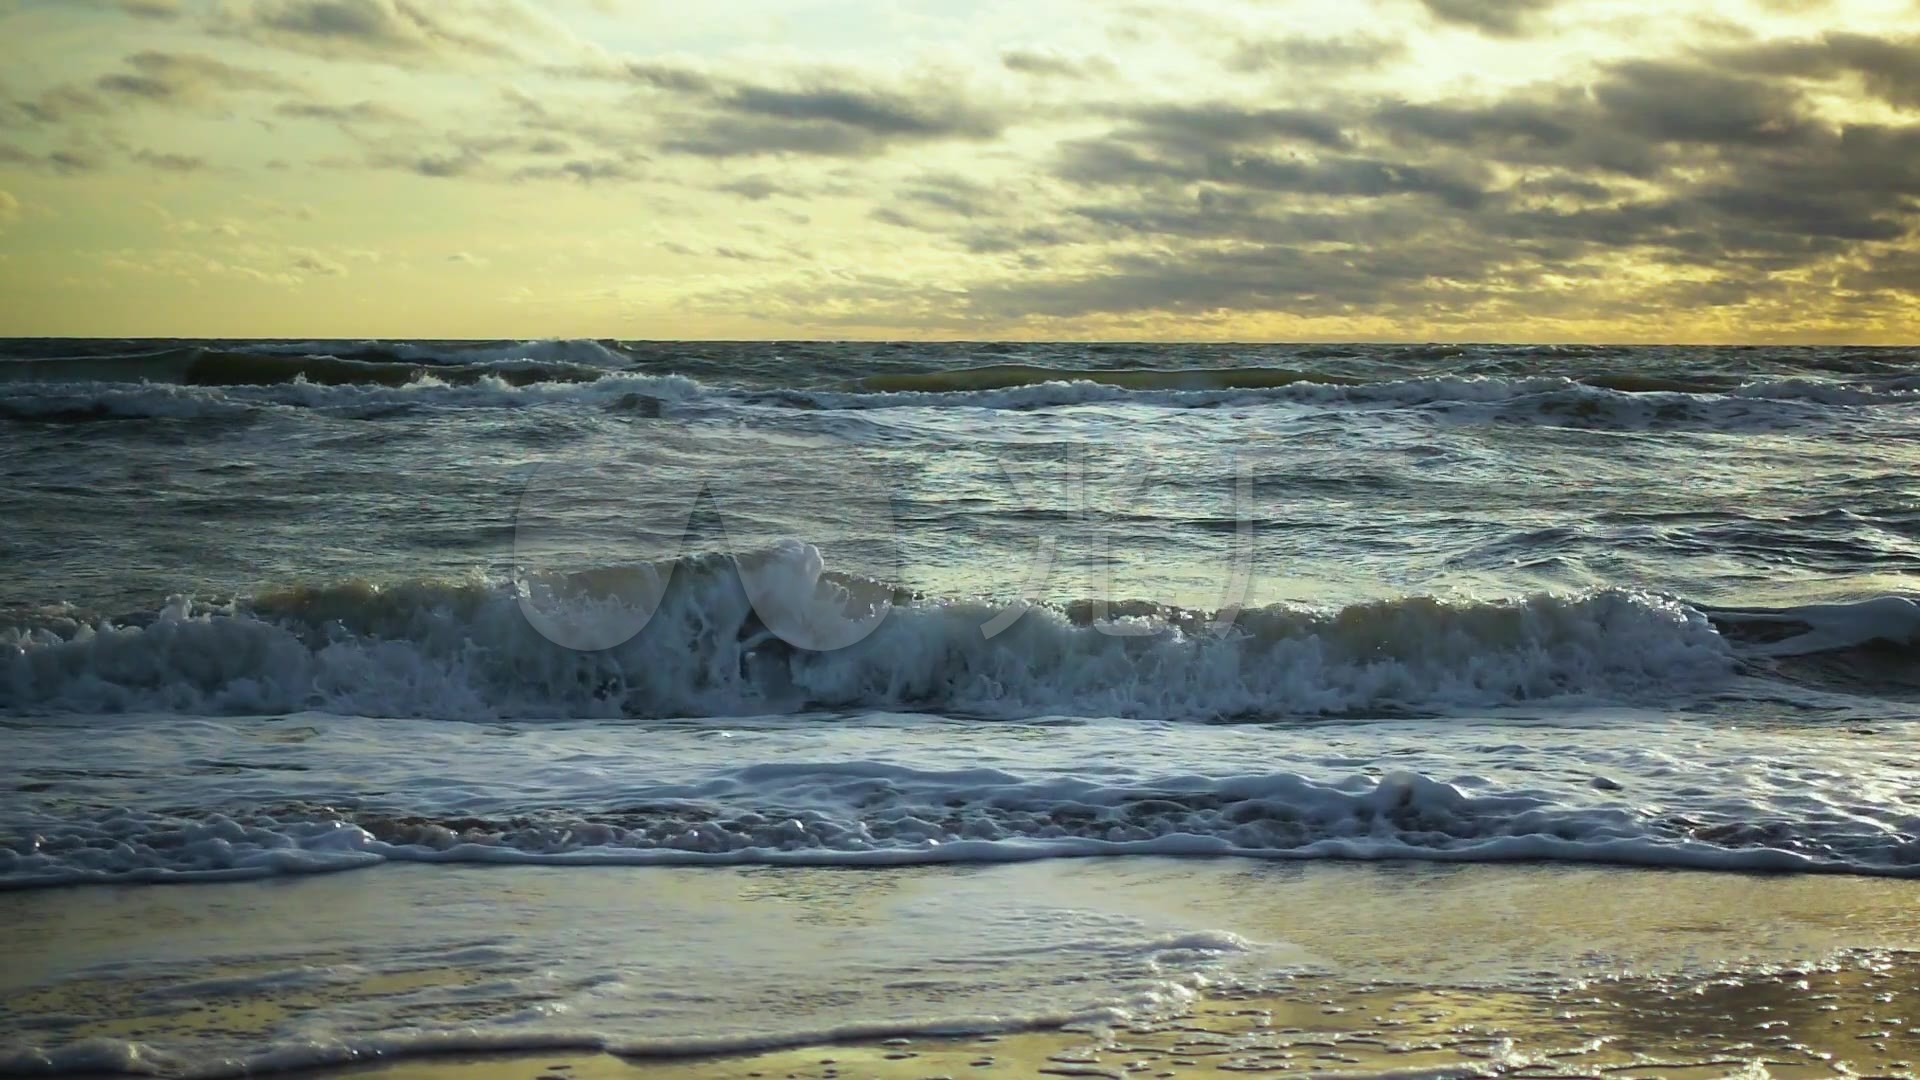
[(1407, 969), (1856, 1016)]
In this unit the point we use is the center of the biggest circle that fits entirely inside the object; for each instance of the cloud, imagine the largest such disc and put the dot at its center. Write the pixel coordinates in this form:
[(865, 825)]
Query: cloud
[(150, 77), (1673, 102), (1052, 66), (1315, 54), (1889, 68), (1710, 172), (57, 105), (157, 10), (313, 262), (584, 170), (1499, 18), (836, 114), (441, 166), (69, 162), (359, 112), (179, 163), (404, 32), (1254, 149), (1211, 125), (952, 194), (753, 188), (164, 78)]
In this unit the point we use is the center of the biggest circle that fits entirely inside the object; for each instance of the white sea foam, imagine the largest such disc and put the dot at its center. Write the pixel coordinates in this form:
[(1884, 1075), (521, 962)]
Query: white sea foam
[(539, 350), (1545, 400), (469, 650), (1817, 628), (590, 798)]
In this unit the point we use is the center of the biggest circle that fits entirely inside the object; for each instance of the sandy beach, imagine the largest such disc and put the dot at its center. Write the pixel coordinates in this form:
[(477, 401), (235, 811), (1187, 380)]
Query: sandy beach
[(1853, 1018), (1338, 968)]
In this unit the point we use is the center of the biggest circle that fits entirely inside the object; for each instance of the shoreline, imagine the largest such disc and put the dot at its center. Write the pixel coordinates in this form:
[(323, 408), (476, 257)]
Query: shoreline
[(1211, 966), (1855, 1014)]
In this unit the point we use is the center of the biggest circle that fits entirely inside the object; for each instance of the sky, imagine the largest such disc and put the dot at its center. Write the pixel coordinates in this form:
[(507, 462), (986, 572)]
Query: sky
[(1513, 170)]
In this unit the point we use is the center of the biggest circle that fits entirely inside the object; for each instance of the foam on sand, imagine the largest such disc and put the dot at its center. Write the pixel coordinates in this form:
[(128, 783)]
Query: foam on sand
[(1368, 969)]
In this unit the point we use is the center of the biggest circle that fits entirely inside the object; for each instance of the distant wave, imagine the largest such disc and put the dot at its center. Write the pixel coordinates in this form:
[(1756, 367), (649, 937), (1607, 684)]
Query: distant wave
[(222, 385), (1006, 376), (689, 639), (269, 365)]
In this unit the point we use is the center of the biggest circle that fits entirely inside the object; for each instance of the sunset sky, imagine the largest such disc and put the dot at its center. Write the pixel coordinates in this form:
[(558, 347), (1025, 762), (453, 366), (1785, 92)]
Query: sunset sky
[(1746, 170)]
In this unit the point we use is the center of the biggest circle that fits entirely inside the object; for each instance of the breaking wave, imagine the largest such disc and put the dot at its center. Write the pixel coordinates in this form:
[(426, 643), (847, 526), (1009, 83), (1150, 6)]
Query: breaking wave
[(214, 385), (700, 637), (875, 814)]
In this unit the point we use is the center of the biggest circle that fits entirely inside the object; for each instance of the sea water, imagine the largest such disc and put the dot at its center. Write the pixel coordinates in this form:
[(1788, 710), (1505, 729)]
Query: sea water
[(272, 609)]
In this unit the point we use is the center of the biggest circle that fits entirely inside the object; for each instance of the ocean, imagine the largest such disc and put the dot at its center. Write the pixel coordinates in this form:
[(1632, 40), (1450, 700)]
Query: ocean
[(679, 697)]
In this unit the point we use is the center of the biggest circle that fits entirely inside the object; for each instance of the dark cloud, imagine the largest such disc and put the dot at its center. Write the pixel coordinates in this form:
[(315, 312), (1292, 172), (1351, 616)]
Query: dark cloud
[(1889, 68), (1562, 129), (54, 106), (1531, 123), (1268, 277), (438, 166), (1500, 18), (1051, 66), (830, 116), (720, 251), (583, 170), (1716, 167), (1671, 102), (1211, 125), (67, 162), (661, 77), (157, 10), (313, 262), (503, 155), (405, 32), (754, 188), (1001, 239), (165, 78), (1315, 54), (830, 122), (359, 112), (1243, 148), (179, 163), (887, 215), (952, 194), (151, 77), (1183, 144)]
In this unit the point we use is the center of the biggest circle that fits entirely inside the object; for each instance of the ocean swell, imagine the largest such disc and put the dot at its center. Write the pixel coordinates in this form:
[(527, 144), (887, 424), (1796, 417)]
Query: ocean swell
[(690, 639), (198, 382)]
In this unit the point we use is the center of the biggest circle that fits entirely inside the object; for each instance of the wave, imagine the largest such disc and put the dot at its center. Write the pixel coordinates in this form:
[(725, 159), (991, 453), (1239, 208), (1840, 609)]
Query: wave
[(866, 813), (515, 373), (1006, 376), (1615, 403), (266, 366), (713, 635), (198, 383), (585, 352), (481, 389)]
